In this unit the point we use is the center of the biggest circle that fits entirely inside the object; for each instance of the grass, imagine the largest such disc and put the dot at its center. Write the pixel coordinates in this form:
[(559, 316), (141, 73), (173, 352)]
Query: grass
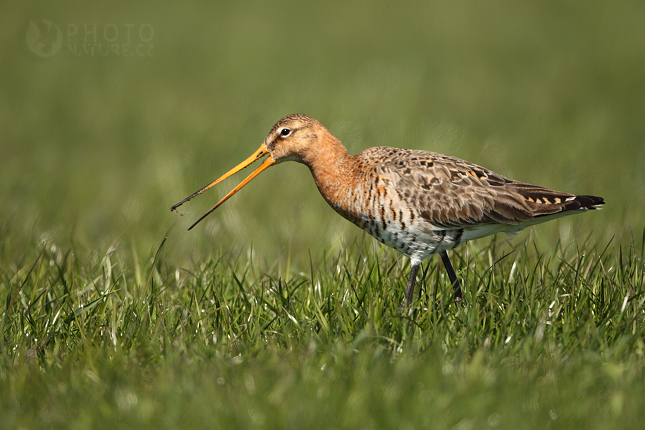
[(541, 339), (274, 312)]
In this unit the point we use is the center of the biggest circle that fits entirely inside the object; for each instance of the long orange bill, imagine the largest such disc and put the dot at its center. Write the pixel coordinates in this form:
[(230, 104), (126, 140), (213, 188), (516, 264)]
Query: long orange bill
[(261, 152)]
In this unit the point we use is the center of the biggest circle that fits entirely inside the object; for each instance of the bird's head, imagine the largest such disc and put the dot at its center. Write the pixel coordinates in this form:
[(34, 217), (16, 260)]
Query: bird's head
[(295, 137)]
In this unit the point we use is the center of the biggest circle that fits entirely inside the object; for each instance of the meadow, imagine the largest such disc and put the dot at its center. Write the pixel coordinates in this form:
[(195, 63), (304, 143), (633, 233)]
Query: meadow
[(274, 312)]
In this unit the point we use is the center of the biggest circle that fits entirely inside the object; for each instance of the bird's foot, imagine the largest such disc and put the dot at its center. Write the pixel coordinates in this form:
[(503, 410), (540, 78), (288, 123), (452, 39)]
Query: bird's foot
[(405, 307)]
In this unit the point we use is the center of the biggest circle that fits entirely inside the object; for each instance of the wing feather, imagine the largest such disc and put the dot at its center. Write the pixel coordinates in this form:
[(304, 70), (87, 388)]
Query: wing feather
[(449, 192)]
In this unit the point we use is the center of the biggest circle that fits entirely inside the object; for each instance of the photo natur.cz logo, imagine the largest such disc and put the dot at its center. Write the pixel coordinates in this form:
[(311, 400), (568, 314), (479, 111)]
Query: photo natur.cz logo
[(45, 39)]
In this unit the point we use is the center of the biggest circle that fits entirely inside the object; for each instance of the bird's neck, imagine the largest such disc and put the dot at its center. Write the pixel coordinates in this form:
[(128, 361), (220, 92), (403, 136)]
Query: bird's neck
[(334, 171)]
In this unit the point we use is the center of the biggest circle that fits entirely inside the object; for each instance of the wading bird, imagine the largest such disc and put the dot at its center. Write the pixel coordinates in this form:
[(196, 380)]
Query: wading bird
[(417, 202)]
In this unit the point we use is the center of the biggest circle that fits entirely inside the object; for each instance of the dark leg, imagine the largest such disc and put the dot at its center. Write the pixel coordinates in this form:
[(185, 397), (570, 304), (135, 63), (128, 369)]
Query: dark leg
[(451, 274), (409, 293)]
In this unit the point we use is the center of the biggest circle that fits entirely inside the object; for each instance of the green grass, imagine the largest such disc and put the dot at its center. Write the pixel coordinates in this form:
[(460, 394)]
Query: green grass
[(274, 312), (540, 338)]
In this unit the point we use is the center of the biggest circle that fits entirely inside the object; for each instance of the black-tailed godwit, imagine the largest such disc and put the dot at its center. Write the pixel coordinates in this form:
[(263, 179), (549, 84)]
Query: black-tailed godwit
[(417, 202)]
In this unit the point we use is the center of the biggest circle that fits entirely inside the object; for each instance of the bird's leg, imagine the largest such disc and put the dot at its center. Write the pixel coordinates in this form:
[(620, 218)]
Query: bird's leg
[(409, 293), (451, 274)]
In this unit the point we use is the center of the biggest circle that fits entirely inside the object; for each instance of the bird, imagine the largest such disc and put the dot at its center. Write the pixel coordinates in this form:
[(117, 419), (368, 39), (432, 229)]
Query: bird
[(420, 203)]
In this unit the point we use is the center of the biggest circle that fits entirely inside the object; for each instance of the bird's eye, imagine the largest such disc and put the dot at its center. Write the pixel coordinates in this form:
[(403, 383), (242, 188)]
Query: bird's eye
[(285, 132)]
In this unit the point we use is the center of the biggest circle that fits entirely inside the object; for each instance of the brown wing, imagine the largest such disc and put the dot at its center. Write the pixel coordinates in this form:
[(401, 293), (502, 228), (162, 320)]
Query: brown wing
[(449, 192)]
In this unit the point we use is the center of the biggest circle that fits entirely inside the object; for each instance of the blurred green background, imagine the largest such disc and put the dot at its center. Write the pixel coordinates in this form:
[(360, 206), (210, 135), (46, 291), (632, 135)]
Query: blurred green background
[(95, 149)]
